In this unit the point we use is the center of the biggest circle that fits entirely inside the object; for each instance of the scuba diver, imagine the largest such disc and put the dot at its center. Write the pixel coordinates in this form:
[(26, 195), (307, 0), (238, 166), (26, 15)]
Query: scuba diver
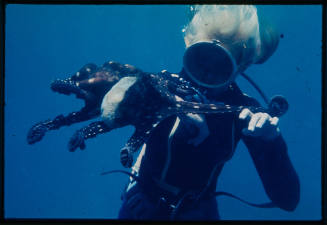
[(176, 172)]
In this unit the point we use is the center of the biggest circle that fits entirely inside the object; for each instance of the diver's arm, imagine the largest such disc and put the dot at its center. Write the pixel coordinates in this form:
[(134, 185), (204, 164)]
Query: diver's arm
[(275, 170), (268, 150)]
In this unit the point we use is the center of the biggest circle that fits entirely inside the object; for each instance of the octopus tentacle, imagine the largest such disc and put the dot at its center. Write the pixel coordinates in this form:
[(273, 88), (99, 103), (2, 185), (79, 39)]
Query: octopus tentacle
[(201, 108), (145, 99), (173, 89), (67, 87), (90, 83), (125, 69), (195, 101), (178, 85), (90, 131), (176, 105), (139, 137), (37, 132)]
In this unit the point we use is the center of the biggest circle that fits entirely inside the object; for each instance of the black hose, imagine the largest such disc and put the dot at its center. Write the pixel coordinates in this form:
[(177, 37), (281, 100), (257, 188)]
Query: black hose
[(256, 87)]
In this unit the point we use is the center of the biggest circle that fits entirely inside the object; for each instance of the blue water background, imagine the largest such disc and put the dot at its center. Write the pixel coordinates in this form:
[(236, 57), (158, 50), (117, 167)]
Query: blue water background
[(45, 42)]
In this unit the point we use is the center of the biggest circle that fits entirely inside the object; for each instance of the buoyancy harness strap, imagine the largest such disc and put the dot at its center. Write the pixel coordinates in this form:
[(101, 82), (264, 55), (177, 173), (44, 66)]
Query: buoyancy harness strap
[(134, 176), (258, 205)]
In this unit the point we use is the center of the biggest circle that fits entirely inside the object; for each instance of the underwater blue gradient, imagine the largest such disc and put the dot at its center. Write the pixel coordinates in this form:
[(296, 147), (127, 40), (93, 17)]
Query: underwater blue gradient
[(45, 42)]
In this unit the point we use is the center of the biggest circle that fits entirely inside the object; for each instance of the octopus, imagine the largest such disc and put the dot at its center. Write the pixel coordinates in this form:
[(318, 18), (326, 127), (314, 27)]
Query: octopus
[(121, 95)]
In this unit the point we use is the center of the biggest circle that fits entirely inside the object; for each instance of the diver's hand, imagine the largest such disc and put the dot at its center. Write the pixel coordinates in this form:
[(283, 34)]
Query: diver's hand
[(260, 125)]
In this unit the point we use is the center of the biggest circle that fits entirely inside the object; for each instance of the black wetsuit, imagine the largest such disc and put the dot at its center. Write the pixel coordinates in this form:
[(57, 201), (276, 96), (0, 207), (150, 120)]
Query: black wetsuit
[(171, 173)]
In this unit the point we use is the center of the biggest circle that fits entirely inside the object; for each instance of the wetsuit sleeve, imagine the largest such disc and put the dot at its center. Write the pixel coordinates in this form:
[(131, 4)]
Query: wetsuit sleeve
[(276, 171), (272, 163)]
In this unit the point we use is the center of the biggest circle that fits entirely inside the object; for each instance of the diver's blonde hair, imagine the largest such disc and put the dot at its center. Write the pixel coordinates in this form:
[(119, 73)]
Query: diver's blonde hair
[(230, 24)]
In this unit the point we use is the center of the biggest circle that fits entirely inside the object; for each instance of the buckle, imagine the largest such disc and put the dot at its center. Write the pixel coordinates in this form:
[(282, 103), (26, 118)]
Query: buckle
[(163, 204)]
